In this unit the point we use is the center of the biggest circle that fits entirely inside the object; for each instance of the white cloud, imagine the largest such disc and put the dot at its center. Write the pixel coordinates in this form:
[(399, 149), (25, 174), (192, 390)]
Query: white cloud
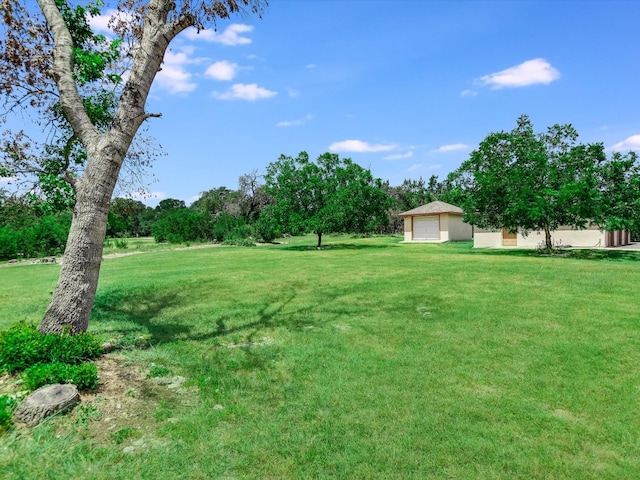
[(101, 22), (451, 148), (241, 91), (399, 156), (173, 77), (222, 70), (231, 36), (360, 146), (295, 123), (414, 167), (527, 73), (311, 66), (468, 93), (630, 143)]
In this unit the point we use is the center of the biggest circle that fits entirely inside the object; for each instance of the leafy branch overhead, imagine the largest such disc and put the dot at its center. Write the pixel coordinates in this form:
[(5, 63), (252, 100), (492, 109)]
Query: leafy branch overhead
[(50, 169)]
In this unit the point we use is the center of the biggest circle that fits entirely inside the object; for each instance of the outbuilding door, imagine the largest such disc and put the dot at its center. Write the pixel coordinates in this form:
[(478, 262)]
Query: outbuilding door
[(509, 239), (426, 228)]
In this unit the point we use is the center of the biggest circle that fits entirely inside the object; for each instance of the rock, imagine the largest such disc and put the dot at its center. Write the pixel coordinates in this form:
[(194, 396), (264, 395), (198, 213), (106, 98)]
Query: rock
[(46, 401), (176, 382), (163, 381)]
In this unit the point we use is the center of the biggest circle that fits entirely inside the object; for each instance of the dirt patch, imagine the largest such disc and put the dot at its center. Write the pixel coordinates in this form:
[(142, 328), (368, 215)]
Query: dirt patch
[(128, 403), (126, 408)]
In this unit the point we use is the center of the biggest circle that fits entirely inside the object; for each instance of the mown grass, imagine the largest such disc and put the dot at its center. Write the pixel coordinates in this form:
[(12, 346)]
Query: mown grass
[(367, 359)]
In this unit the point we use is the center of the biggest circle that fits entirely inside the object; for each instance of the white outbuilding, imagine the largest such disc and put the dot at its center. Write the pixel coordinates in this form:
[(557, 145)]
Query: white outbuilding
[(563, 237), (435, 222)]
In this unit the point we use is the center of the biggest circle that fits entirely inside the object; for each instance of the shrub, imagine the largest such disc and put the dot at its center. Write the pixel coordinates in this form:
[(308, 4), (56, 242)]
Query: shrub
[(7, 404), (240, 242), (228, 227), (266, 228), (22, 346), (83, 376), (182, 225), (46, 235)]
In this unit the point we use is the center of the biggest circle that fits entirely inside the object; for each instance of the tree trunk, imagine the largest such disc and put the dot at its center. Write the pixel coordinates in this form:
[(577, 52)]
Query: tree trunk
[(319, 240), (547, 238), (73, 297), (72, 300)]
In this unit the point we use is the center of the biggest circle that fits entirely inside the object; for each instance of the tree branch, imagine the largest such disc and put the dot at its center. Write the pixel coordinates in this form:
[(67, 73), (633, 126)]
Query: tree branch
[(70, 98)]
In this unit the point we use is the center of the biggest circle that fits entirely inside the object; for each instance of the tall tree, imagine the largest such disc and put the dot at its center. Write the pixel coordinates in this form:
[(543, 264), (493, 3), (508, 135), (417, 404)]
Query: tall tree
[(521, 180), (218, 200), (620, 185), (34, 53), (253, 198), (328, 196), (129, 218)]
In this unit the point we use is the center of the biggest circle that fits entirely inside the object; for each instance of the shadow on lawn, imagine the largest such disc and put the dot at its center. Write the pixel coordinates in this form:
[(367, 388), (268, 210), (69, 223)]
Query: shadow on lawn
[(334, 246), (579, 254), (129, 315)]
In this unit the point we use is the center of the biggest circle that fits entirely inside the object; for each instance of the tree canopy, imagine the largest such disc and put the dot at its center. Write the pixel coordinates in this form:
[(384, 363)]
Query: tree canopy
[(526, 181), (327, 196)]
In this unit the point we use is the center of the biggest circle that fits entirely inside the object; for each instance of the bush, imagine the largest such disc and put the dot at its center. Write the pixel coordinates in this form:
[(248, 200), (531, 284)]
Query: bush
[(84, 376), (182, 225), (228, 227), (45, 236), (7, 404), (266, 228), (22, 346), (240, 242)]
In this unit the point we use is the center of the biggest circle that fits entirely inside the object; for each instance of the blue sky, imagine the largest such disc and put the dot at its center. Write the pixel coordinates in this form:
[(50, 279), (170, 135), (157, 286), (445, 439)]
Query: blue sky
[(407, 88)]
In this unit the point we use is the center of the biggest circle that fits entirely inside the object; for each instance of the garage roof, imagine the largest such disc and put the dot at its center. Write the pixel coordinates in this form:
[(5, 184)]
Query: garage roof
[(433, 208)]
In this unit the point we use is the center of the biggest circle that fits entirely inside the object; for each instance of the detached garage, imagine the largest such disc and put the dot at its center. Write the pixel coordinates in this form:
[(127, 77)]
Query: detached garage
[(435, 222)]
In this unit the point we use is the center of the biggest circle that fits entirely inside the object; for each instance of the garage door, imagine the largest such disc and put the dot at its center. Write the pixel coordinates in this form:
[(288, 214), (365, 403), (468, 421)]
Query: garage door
[(426, 228)]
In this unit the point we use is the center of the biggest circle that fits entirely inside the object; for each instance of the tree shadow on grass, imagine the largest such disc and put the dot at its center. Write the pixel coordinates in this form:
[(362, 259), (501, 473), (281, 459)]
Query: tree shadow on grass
[(133, 318), (333, 246), (614, 254), (129, 315), (578, 253)]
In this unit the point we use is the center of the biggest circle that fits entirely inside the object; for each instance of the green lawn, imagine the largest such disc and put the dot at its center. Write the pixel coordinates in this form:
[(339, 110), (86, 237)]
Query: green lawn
[(366, 359)]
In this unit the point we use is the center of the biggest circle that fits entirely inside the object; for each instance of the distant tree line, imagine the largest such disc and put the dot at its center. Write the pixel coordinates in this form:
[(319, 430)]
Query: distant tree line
[(32, 227), (517, 180)]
